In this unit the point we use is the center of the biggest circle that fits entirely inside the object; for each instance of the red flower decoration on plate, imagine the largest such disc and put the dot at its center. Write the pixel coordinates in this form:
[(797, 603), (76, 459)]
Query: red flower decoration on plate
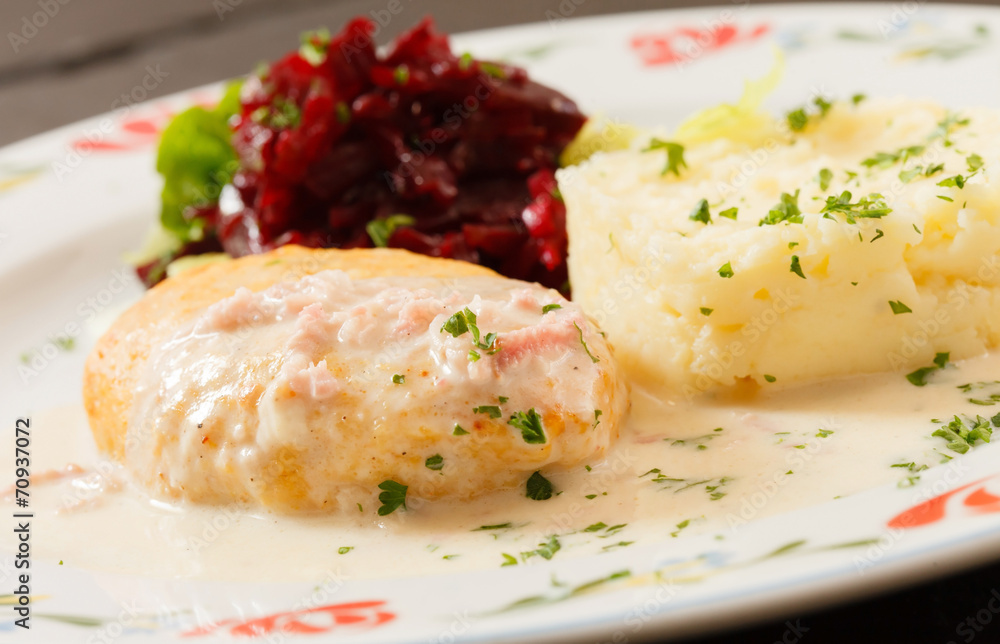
[(980, 497), (683, 45), (306, 621), (123, 131)]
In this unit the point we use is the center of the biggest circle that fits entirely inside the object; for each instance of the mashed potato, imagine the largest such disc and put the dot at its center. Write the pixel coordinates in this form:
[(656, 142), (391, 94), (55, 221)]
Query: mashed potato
[(695, 294)]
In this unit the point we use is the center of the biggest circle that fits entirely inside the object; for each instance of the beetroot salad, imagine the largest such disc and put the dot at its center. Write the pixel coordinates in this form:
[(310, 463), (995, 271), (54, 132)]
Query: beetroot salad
[(338, 145)]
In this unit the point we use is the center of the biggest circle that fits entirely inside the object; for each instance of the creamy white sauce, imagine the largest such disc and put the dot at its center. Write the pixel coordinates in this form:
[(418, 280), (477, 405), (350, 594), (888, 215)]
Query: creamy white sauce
[(771, 452), (309, 394)]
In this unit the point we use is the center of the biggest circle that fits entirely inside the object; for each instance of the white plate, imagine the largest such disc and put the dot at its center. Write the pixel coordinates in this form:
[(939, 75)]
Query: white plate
[(70, 205)]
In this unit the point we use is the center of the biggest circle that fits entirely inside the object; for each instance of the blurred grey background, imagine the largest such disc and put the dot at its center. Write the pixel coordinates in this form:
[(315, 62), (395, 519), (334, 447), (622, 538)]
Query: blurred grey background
[(63, 60)]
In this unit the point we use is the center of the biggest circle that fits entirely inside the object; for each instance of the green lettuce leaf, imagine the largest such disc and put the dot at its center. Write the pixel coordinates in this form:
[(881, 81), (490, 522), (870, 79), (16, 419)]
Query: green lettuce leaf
[(745, 121), (196, 158)]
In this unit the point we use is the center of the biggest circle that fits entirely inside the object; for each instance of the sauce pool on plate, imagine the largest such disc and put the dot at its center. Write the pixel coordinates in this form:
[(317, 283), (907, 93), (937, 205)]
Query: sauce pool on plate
[(679, 469)]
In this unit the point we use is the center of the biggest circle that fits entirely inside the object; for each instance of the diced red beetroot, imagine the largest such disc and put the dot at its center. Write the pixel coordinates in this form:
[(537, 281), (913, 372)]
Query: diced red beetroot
[(413, 240), (496, 239), (538, 218), (466, 148)]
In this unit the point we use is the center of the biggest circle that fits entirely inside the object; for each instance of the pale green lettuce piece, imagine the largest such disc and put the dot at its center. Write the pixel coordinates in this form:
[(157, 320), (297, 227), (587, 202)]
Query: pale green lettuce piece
[(744, 122)]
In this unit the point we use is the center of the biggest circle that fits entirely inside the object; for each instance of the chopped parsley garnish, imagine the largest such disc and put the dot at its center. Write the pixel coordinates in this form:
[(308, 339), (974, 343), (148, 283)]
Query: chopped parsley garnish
[(972, 386), (493, 70), (825, 177), (680, 526), (823, 433), (984, 400), (593, 358), (792, 245), (490, 410), (458, 323), (871, 207), (435, 462), (944, 198), (609, 531), (398, 379), (314, 46), (538, 488), (343, 113), (497, 526), (910, 467), (675, 155), (973, 162), (907, 176), (883, 160), (898, 308), (343, 550), (546, 550), (620, 544), (946, 126), (458, 431), (698, 441), (713, 493), (282, 115), (502, 399), (729, 213), (550, 307), (597, 421), (961, 437), (706, 311), (878, 234), (797, 119), (392, 497), (508, 560), (465, 321), (700, 212), (786, 210), (857, 98), (958, 181), (768, 377), (726, 270), (796, 267), (679, 485), (530, 424), (381, 230), (919, 377), (401, 74)]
